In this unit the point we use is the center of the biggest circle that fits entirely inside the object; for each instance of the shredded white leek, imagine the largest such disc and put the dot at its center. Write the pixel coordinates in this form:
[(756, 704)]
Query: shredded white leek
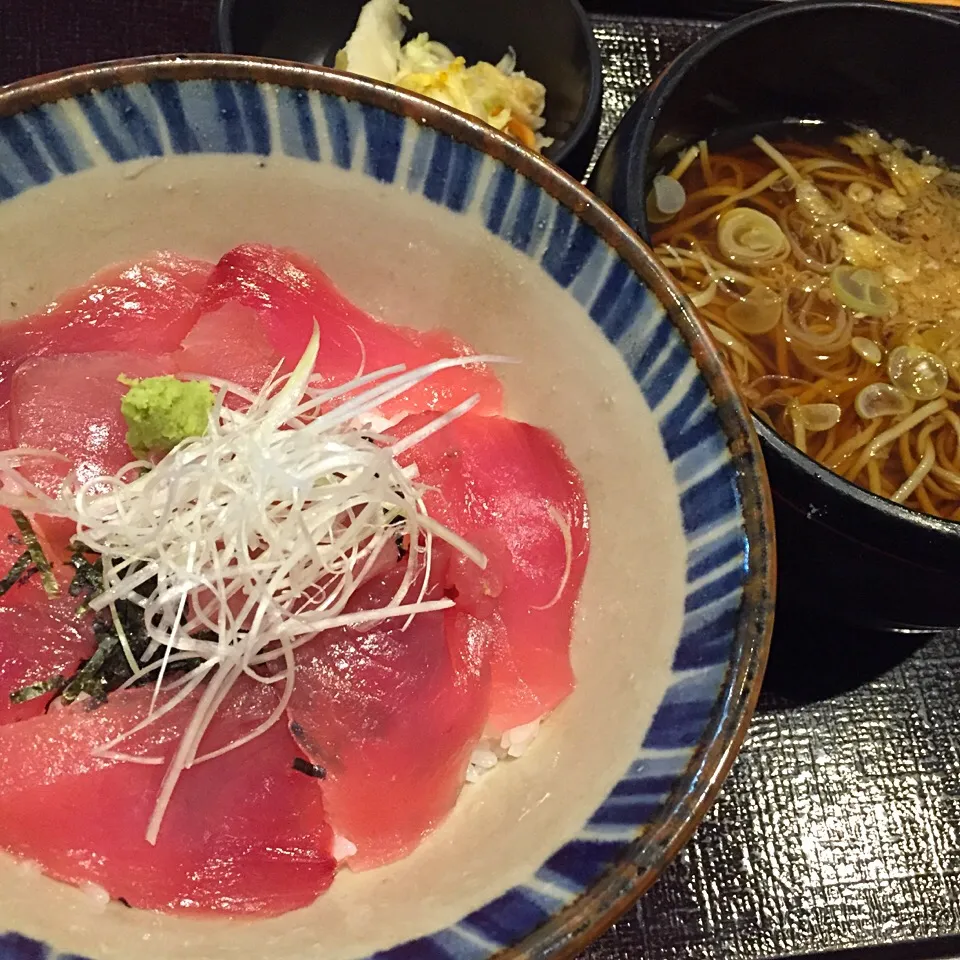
[(258, 533), (564, 528)]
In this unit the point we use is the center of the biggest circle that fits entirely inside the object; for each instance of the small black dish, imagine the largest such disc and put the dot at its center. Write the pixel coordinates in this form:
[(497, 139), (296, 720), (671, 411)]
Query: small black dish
[(552, 39), (853, 556)]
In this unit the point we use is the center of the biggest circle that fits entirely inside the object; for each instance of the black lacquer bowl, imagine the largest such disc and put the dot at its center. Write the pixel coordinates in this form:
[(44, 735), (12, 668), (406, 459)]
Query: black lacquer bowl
[(846, 552), (552, 39)]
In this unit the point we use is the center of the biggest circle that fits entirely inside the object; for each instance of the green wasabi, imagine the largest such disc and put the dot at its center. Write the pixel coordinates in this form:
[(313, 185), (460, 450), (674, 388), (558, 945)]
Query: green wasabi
[(162, 411)]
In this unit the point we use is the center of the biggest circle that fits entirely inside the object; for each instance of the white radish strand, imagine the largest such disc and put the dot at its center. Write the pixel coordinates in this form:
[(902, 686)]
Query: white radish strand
[(564, 527), (258, 533)]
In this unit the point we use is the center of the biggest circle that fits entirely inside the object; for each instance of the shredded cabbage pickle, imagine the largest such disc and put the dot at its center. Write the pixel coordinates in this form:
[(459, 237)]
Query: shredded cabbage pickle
[(499, 94)]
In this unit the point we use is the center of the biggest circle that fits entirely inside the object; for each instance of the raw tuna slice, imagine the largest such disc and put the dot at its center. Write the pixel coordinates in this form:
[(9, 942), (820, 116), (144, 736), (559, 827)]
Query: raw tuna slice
[(245, 833), (508, 488), (231, 344), (393, 722), (71, 404), (288, 292), (37, 641), (144, 307)]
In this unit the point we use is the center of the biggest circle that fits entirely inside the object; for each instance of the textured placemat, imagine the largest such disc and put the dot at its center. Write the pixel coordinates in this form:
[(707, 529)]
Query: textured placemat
[(840, 824), (633, 52)]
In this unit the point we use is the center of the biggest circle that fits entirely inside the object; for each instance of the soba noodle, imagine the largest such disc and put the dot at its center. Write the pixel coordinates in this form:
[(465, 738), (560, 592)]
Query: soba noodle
[(830, 278)]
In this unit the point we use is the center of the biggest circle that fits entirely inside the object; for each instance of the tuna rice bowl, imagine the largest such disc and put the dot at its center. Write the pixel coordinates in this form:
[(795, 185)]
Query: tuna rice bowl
[(386, 563)]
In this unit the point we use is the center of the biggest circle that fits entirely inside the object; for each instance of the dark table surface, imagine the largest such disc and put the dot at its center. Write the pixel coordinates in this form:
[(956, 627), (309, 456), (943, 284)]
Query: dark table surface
[(839, 828)]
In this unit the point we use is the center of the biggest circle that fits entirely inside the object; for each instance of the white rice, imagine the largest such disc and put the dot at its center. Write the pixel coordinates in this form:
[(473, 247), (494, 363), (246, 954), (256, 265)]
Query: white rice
[(99, 897), (342, 848), (492, 749), (28, 867)]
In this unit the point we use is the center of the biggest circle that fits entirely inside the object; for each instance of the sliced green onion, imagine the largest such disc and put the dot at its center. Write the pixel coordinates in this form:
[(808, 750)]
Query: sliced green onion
[(816, 417), (917, 372), (869, 349), (881, 400), (758, 312), (665, 199), (861, 290), (745, 235)]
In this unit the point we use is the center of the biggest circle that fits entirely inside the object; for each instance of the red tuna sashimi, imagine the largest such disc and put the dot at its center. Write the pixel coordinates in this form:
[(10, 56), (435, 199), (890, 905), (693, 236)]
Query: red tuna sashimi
[(392, 721), (38, 641), (289, 292), (504, 486), (144, 307), (231, 344), (71, 404), (245, 833)]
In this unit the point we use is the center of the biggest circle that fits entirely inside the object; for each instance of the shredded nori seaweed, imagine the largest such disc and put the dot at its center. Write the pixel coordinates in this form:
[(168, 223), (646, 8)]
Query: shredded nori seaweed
[(37, 555), (88, 578), (108, 667), (33, 690), (310, 769), (20, 572)]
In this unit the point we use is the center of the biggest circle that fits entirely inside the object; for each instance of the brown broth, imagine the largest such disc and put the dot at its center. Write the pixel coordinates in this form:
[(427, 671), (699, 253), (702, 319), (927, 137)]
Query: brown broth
[(780, 372)]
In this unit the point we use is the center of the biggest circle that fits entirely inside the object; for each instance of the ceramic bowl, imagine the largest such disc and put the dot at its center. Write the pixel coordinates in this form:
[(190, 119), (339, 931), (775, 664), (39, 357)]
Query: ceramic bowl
[(422, 216), (865, 559), (564, 57)]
